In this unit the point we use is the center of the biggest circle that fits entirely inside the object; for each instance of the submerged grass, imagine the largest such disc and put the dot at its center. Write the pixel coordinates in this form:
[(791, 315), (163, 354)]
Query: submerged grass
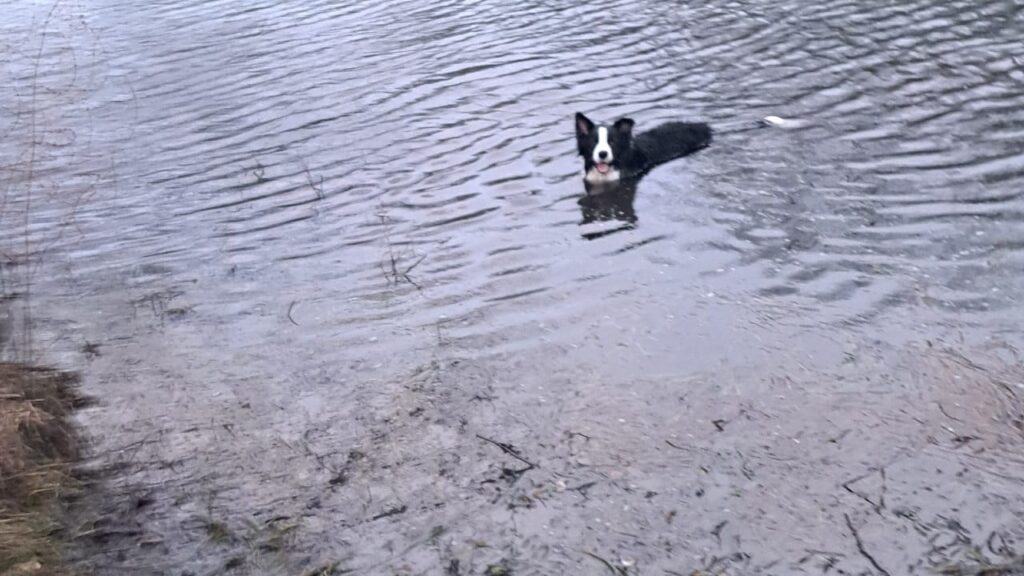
[(37, 448)]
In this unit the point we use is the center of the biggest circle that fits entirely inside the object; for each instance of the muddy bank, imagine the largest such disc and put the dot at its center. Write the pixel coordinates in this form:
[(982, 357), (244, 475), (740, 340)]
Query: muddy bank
[(889, 462), (38, 447)]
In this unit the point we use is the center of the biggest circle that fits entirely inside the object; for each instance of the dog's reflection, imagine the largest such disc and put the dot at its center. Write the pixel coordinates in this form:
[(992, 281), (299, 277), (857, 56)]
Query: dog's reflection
[(609, 201)]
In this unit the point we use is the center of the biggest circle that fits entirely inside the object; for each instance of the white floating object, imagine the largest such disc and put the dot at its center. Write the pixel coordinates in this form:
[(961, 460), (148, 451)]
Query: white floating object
[(774, 120)]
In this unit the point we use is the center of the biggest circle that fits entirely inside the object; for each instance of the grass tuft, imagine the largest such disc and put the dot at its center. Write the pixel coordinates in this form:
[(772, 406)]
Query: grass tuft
[(37, 448)]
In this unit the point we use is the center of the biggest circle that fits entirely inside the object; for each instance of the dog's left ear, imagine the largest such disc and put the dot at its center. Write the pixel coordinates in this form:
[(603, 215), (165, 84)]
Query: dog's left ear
[(624, 126), (583, 125)]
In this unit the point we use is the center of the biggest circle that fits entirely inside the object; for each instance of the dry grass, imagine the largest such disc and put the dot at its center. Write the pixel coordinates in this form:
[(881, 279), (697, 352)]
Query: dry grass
[(37, 447)]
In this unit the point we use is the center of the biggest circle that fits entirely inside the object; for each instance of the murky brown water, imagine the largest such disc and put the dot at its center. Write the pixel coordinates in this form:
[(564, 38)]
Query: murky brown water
[(310, 256)]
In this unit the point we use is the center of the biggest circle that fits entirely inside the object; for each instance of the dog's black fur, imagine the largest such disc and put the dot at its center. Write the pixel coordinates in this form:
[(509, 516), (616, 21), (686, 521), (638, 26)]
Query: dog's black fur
[(635, 156)]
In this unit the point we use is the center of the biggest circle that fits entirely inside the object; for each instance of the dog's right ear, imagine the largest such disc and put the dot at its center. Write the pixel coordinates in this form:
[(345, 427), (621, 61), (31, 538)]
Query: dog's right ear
[(583, 125), (624, 126)]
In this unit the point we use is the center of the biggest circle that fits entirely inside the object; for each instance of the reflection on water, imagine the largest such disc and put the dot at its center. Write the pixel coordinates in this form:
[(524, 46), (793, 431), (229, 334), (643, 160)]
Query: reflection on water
[(267, 215), (609, 201)]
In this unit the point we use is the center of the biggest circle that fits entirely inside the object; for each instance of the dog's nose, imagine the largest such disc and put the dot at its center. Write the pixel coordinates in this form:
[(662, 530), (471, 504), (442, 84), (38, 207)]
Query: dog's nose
[(602, 155)]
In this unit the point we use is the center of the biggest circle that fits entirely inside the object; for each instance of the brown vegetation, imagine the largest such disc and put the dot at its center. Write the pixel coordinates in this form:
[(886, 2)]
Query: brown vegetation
[(37, 447)]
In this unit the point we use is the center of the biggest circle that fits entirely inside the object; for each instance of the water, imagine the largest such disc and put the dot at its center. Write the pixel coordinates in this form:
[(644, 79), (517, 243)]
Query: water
[(304, 254)]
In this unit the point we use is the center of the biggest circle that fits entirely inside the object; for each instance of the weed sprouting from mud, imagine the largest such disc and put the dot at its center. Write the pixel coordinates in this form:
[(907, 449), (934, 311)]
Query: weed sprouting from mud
[(395, 265), (218, 532)]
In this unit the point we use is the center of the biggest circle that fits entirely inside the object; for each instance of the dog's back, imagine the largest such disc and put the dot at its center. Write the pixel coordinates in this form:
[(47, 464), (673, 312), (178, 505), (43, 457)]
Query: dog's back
[(670, 141), (613, 152)]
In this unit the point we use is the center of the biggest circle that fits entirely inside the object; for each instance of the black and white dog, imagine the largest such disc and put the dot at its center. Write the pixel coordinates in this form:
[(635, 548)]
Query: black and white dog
[(612, 153)]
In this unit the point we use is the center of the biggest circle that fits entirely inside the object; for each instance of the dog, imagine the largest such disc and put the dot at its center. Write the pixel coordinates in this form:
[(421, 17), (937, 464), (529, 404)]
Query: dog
[(612, 153)]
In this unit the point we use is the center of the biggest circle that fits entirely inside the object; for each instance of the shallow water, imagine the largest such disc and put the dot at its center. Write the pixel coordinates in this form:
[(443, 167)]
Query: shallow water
[(305, 253)]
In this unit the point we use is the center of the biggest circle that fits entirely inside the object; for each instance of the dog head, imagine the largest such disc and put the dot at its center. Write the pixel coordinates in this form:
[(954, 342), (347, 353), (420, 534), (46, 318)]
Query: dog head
[(605, 149)]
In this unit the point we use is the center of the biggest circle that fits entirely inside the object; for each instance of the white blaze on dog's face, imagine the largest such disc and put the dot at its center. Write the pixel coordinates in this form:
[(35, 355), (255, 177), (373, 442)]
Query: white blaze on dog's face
[(603, 156), (602, 169)]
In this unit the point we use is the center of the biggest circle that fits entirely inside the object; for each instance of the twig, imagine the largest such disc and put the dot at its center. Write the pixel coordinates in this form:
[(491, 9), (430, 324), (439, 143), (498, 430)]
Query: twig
[(510, 450), (319, 190), (1003, 550), (813, 551), (391, 512), (878, 506), (881, 495), (394, 275), (985, 569), (582, 488), (613, 569), (863, 497), (860, 547), (30, 179), (409, 269), (290, 306), (676, 446), (947, 414), (414, 264), (717, 531), (411, 281)]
